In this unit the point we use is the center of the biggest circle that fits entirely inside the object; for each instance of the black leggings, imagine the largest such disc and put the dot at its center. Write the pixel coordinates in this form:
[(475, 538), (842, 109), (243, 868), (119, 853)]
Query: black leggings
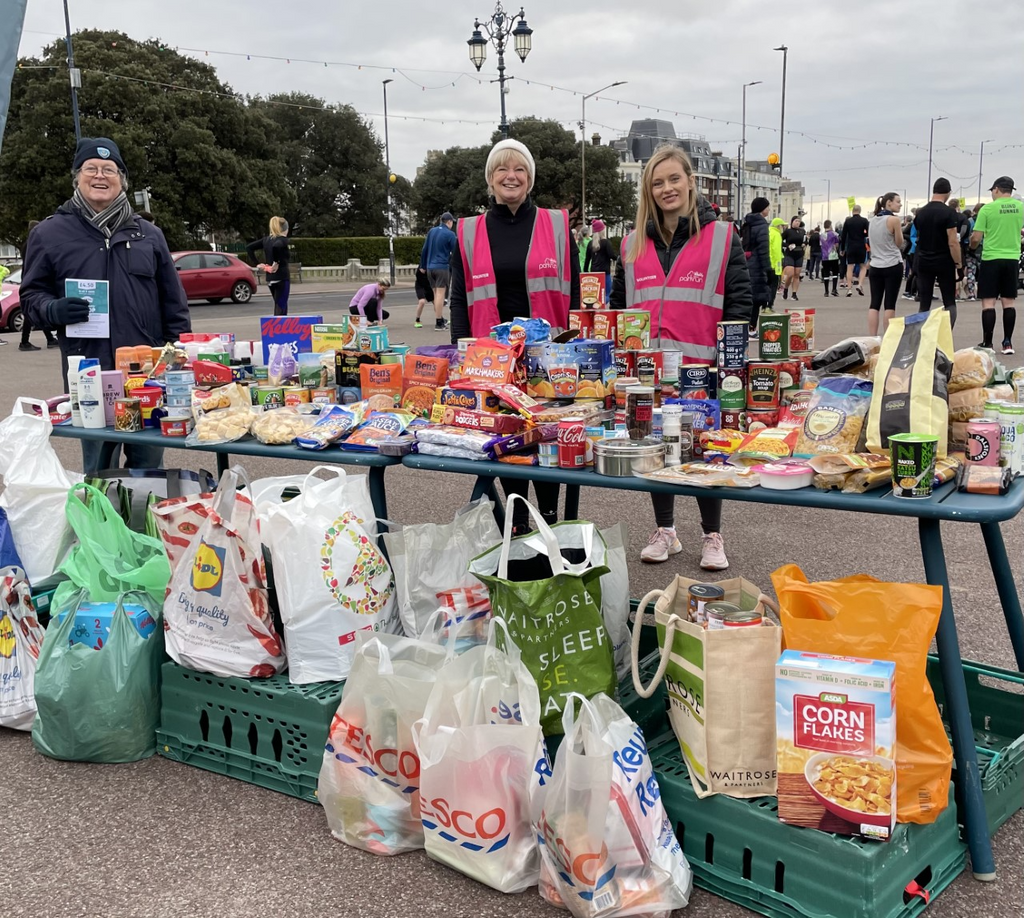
[(279, 291), (885, 284), (710, 512), (547, 500), (373, 312)]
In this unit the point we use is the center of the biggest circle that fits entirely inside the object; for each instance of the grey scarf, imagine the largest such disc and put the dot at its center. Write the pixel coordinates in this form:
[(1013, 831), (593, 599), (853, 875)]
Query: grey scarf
[(108, 220)]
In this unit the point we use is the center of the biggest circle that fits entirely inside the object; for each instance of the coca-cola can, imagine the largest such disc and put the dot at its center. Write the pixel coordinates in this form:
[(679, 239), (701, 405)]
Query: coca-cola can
[(572, 443)]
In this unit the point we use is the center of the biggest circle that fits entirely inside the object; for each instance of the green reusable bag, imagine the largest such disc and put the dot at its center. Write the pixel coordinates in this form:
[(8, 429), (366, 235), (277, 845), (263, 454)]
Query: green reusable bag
[(99, 705), (547, 587), (109, 558)]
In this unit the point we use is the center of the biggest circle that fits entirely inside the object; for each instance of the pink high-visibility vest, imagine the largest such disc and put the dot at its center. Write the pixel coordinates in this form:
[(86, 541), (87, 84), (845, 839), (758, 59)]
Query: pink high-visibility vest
[(686, 306), (548, 271)]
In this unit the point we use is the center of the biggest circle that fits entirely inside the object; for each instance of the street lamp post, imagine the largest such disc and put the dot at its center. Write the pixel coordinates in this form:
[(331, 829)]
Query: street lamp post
[(740, 212), (583, 147), (74, 74), (387, 180), (782, 121), (931, 140), (981, 159), (829, 181), (498, 28)]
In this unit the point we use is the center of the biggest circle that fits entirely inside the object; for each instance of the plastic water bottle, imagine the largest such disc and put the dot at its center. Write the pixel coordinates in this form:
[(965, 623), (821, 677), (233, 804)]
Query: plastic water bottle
[(90, 394)]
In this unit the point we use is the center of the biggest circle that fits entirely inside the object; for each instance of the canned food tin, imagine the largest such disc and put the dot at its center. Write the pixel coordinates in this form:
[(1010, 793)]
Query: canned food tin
[(759, 420), (789, 373), (175, 427), (734, 420), (983, 442), (269, 397), (732, 344), (625, 363), (649, 366), (296, 395), (1011, 437), (328, 395), (732, 388), (261, 373), (391, 356), (716, 613), (594, 435), (698, 381), (763, 385), (743, 620), (700, 594), (572, 443), (547, 455), (128, 414), (773, 335)]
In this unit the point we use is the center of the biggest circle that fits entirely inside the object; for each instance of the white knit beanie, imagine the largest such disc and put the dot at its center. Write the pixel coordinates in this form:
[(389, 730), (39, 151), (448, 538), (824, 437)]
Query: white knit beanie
[(520, 148)]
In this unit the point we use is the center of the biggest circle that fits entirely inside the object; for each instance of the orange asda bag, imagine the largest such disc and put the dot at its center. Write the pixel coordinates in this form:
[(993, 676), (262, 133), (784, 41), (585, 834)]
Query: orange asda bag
[(863, 617)]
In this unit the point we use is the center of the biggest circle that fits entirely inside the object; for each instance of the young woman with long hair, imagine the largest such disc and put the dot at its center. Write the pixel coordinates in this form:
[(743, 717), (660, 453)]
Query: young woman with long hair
[(886, 238)]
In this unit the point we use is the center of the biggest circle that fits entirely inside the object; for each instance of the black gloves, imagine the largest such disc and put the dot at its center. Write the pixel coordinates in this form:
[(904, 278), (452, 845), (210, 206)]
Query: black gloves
[(68, 310)]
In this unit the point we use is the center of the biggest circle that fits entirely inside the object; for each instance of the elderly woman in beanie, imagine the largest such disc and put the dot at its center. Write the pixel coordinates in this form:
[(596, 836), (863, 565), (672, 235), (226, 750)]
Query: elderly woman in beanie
[(600, 255), (96, 236), (517, 260)]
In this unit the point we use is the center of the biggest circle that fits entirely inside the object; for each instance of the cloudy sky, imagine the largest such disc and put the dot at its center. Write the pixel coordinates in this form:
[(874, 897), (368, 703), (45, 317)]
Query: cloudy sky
[(871, 72)]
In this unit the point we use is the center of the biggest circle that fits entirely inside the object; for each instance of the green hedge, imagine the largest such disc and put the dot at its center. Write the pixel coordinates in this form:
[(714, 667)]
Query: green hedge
[(337, 251)]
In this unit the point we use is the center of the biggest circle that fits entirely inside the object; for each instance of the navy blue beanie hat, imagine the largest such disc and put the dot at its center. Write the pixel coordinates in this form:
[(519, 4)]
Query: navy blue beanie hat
[(98, 148)]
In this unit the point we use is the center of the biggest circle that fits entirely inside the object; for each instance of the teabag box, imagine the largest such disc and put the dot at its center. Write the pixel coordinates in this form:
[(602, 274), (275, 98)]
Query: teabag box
[(836, 722)]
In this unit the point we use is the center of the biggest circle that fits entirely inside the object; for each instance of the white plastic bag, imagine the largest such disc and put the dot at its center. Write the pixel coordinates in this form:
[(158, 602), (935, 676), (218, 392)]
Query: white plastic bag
[(331, 579), (216, 615), (483, 759), (607, 845), (431, 563), (615, 596), (370, 777), (21, 637), (35, 488)]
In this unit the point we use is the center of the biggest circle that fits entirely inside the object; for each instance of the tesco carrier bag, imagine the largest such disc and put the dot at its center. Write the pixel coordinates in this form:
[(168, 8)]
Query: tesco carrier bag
[(21, 638), (332, 580), (216, 615), (482, 760)]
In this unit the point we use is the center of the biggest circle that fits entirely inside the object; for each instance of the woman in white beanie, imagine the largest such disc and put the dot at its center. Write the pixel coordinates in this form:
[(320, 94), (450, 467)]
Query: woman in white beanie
[(517, 260)]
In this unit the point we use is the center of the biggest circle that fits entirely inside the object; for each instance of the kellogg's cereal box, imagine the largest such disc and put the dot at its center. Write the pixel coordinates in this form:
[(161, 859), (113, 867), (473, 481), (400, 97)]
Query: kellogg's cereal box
[(836, 720)]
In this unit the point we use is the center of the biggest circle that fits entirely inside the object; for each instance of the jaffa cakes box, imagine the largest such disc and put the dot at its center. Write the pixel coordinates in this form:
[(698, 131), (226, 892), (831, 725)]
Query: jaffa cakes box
[(836, 722)]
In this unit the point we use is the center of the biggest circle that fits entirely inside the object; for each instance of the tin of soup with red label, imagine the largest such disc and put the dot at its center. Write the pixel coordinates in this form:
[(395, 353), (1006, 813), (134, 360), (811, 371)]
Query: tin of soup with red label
[(649, 365), (625, 362), (572, 443), (763, 385)]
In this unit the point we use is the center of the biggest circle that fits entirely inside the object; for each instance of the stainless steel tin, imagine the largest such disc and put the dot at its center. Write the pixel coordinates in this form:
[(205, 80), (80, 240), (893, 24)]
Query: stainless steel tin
[(619, 457)]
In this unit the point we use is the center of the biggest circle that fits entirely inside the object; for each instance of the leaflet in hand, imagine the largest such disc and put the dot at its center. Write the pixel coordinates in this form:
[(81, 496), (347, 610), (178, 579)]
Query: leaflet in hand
[(97, 292)]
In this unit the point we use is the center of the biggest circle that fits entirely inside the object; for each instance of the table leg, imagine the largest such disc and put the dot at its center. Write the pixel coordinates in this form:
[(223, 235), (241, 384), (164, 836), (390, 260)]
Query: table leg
[(485, 487), (572, 501), (957, 707), (1007, 589), (223, 464), (378, 496)]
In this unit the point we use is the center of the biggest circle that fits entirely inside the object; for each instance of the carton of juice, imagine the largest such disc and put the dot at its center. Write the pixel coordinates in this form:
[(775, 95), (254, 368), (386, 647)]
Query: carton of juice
[(597, 373), (633, 329), (836, 719)]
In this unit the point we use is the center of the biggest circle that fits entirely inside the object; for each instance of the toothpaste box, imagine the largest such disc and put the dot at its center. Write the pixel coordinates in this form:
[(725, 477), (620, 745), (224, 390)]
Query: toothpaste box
[(836, 728), (93, 621)]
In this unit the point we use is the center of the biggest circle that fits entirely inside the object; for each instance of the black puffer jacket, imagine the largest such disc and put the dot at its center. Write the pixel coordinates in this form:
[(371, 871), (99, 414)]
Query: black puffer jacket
[(759, 259), (737, 281)]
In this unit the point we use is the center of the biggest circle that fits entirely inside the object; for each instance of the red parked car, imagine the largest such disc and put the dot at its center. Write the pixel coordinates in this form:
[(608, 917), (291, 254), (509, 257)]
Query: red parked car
[(212, 276), (11, 315)]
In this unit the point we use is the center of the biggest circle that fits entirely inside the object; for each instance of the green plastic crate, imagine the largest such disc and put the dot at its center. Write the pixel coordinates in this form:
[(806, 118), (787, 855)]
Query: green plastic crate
[(264, 731), (997, 716), (739, 850)]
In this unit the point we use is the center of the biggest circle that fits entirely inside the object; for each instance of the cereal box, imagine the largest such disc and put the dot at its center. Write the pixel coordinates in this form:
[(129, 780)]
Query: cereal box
[(836, 721), (633, 329), (332, 337)]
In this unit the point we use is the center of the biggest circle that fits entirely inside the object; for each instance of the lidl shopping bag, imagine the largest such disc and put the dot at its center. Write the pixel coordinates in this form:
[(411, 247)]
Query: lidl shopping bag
[(9, 556), (482, 760), (606, 843), (332, 581), (35, 488), (911, 380), (21, 638), (547, 587), (109, 558), (370, 778), (864, 617), (431, 564), (99, 705), (721, 688), (216, 613)]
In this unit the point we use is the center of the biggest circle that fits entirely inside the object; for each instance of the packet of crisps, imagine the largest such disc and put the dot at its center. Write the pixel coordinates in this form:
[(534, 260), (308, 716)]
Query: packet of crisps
[(379, 426)]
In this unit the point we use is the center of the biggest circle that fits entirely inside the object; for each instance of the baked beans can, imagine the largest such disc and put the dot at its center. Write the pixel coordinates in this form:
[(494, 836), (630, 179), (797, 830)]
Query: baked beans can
[(759, 420), (128, 415), (696, 380), (296, 395), (698, 595), (715, 614), (625, 362), (732, 343), (639, 412), (763, 385), (773, 335), (983, 442), (649, 365), (732, 388), (572, 443)]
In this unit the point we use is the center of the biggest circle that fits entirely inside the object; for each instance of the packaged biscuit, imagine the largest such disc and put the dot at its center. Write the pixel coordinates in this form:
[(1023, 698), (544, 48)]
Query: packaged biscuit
[(488, 363), (334, 423), (836, 727), (473, 399), (477, 420), (381, 379)]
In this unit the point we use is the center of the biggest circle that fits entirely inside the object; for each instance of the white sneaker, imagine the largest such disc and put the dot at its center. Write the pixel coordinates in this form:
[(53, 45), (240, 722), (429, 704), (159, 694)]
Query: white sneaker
[(712, 553), (662, 544), (1007, 348)]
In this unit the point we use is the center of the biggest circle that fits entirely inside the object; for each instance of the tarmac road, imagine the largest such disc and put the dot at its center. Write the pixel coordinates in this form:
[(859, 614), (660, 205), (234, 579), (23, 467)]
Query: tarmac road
[(160, 839)]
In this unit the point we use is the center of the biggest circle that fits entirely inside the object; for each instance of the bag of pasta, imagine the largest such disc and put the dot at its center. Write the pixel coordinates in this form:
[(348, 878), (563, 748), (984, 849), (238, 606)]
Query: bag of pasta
[(835, 417), (911, 393)]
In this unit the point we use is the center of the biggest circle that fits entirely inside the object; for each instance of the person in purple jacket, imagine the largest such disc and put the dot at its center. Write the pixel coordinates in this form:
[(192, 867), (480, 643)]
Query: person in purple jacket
[(369, 301), (830, 258)]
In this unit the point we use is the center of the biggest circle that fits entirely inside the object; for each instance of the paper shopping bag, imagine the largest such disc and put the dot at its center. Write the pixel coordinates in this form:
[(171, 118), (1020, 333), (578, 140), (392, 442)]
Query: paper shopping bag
[(721, 688)]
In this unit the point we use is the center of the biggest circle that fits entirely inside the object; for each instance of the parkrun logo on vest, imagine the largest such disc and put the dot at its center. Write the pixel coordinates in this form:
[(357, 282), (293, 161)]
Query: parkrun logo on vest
[(548, 264), (691, 277)]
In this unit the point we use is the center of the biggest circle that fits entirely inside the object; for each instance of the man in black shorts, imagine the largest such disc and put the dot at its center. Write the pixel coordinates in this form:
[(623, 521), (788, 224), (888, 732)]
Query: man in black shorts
[(999, 225), (424, 292), (436, 257), (938, 250), (854, 242)]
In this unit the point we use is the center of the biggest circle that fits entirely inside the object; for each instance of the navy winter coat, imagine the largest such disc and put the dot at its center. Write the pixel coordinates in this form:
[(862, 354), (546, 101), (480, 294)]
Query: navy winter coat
[(759, 262), (147, 302)]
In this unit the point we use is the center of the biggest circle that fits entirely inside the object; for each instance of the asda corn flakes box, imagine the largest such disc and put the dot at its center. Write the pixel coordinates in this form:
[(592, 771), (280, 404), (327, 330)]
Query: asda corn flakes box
[(836, 727)]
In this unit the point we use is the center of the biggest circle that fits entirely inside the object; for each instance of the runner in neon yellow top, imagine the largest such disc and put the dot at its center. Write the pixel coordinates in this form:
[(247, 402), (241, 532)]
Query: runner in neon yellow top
[(999, 225)]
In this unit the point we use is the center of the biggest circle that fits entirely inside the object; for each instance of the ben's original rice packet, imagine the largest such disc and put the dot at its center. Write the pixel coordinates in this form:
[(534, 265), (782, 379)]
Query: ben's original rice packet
[(836, 720)]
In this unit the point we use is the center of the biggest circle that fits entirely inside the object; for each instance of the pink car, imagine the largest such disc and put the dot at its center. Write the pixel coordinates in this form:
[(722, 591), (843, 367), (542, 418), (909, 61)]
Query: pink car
[(11, 315)]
